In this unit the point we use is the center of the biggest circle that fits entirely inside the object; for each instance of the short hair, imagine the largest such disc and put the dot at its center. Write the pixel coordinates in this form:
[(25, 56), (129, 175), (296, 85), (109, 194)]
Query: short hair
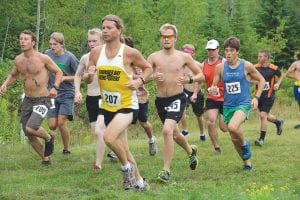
[(96, 31), (58, 37), (168, 26), (118, 21), (33, 37), (232, 42), (266, 52), (129, 41)]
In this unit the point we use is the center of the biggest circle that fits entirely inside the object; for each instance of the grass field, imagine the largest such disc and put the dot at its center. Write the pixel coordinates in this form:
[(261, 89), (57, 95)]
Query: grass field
[(276, 173)]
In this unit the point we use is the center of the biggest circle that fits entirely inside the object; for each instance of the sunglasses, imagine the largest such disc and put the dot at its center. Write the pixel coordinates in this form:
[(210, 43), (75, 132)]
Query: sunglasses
[(164, 37)]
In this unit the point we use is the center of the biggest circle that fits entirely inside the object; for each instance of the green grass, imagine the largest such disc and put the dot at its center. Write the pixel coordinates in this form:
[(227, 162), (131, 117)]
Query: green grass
[(276, 173)]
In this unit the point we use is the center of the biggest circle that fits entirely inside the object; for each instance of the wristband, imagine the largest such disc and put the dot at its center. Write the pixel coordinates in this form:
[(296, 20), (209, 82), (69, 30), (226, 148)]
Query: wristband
[(257, 97), (143, 80)]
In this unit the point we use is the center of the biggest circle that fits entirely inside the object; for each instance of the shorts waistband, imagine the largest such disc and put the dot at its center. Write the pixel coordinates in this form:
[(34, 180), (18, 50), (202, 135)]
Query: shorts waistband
[(177, 96)]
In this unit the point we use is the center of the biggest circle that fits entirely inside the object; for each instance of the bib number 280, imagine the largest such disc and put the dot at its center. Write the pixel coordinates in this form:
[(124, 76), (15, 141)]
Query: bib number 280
[(40, 110)]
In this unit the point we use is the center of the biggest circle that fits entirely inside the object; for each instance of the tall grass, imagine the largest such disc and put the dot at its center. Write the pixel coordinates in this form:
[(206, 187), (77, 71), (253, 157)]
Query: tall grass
[(276, 173)]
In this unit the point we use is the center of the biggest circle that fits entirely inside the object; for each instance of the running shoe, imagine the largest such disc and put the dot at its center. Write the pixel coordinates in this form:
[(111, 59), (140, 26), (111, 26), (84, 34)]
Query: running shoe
[(112, 155), (144, 188), (279, 126), (259, 142), (164, 176), (152, 147), (202, 137), (297, 126), (66, 152), (185, 133), (246, 154), (46, 162), (129, 178), (193, 158), (247, 167), (49, 146)]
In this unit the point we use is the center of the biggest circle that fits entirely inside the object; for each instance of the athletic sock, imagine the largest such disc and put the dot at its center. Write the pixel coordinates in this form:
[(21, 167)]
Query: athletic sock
[(262, 135), (151, 140), (125, 167)]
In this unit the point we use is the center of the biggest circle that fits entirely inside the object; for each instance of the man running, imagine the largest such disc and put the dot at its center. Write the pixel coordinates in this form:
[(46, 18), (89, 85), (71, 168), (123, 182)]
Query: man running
[(168, 65), (33, 68)]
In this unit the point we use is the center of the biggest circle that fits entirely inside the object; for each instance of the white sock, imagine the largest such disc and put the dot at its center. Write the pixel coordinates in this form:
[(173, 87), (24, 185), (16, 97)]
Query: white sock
[(125, 167), (202, 134), (151, 140), (140, 182)]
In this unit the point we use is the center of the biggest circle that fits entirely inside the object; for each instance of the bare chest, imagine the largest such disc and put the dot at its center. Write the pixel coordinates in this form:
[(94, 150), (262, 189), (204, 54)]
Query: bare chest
[(170, 65), (30, 66)]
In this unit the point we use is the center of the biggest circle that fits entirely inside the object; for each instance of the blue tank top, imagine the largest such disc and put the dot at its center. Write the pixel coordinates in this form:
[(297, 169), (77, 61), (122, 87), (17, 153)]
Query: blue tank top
[(236, 86)]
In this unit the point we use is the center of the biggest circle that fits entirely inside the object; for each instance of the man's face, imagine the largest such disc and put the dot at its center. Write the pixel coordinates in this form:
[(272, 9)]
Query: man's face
[(261, 58), (212, 53), (94, 41), (55, 46), (231, 54), (26, 42), (110, 31), (167, 38)]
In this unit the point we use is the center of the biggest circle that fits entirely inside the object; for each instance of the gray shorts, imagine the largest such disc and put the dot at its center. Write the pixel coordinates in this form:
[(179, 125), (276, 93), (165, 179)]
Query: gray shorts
[(34, 111), (63, 106)]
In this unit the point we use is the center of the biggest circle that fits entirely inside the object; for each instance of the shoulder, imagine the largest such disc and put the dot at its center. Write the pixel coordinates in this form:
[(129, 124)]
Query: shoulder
[(154, 55), (84, 57), (273, 67)]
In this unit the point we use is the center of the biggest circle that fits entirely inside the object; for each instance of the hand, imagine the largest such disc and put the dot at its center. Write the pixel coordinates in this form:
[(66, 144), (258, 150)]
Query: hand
[(3, 89), (213, 90), (134, 84), (254, 103), (78, 97), (52, 93), (276, 86), (193, 98), (91, 69), (182, 80), (159, 76)]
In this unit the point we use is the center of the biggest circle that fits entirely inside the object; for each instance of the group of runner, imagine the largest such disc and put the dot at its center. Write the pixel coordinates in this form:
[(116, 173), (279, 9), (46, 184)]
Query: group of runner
[(116, 97)]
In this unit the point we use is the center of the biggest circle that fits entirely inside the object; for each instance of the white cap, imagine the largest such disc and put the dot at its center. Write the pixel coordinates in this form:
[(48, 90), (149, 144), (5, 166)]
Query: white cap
[(212, 44)]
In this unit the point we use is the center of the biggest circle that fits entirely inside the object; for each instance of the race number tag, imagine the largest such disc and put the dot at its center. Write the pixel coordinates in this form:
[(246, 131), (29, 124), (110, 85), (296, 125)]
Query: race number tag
[(217, 94), (40, 110), (267, 86), (100, 103), (233, 88), (298, 89), (174, 106), (112, 98)]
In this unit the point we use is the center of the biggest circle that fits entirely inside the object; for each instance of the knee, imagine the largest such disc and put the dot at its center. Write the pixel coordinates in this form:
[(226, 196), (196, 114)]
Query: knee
[(167, 132), (232, 128), (107, 139), (210, 122), (29, 130)]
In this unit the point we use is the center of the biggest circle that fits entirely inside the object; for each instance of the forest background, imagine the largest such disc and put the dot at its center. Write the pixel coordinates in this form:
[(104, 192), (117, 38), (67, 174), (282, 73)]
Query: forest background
[(259, 24)]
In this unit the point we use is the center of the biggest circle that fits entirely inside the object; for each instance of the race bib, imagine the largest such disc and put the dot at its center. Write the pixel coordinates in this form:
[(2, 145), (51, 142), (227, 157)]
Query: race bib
[(40, 110), (217, 94), (298, 89), (174, 106), (267, 86), (112, 98), (233, 88)]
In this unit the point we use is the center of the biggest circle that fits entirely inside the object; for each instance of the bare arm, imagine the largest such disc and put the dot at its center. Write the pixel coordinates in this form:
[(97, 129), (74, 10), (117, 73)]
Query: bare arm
[(91, 69), (52, 67), (9, 80), (291, 71), (195, 68)]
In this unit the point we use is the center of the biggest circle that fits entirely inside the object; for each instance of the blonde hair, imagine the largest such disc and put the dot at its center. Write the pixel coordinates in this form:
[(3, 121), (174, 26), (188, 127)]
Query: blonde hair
[(168, 26), (189, 46), (118, 21), (58, 37), (96, 31)]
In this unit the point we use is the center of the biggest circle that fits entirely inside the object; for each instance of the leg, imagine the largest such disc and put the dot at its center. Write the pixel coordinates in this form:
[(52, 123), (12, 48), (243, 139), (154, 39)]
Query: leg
[(98, 129), (212, 115), (183, 120), (64, 131), (237, 135)]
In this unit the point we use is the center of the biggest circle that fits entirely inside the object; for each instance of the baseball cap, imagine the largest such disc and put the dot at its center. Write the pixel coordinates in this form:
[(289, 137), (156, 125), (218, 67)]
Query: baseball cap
[(212, 44)]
